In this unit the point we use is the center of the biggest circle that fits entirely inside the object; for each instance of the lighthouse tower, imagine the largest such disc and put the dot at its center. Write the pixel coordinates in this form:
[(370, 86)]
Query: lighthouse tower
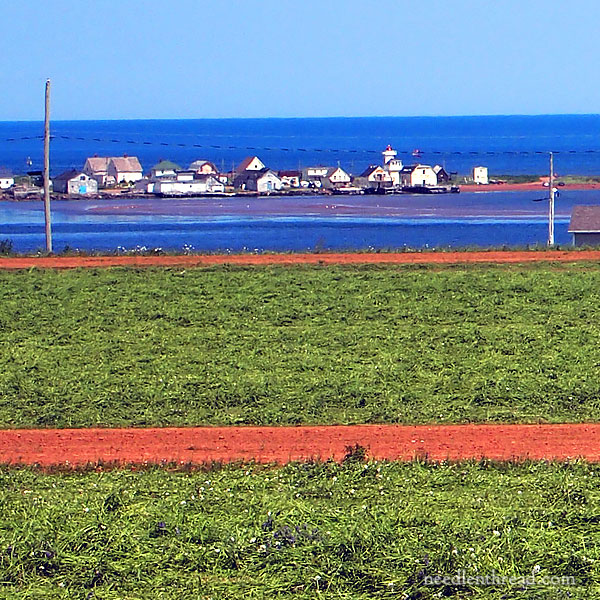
[(392, 164), (388, 154)]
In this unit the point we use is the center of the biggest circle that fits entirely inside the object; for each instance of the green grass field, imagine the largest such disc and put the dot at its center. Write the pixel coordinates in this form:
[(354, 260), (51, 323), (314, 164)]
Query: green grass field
[(286, 345), (356, 530)]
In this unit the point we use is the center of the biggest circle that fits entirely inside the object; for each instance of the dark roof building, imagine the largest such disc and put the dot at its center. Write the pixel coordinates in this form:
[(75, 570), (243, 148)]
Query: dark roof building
[(585, 225)]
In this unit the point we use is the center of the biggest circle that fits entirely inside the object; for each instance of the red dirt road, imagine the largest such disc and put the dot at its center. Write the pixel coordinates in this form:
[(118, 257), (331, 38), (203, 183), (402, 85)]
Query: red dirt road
[(399, 258), (283, 444)]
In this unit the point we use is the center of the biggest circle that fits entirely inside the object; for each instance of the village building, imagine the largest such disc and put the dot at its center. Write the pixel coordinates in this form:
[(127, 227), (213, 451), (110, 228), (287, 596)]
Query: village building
[(376, 174), (263, 181), (392, 165), (480, 175), (336, 177), (97, 167), (199, 184), (164, 168), (205, 167), (124, 169), (7, 179), (251, 163), (108, 170), (290, 179), (315, 172), (585, 225), (442, 175), (418, 176), (75, 183)]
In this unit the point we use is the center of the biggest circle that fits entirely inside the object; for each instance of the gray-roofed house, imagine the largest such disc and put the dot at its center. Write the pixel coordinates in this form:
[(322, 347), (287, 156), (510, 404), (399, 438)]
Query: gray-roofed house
[(585, 225), (204, 167), (97, 167), (125, 168), (7, 179), (75, 183)]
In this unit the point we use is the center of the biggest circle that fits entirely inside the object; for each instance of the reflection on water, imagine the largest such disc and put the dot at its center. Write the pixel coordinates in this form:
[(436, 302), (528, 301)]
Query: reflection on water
[(294, 223)]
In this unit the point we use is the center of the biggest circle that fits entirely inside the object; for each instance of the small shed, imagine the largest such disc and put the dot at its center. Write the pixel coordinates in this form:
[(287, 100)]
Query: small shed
[(7, 179), (585, 225), (75, 183)]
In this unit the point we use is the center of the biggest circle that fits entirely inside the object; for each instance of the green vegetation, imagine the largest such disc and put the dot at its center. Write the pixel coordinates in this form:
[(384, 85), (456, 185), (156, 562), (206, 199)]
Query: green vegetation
[(323, 530), (287, 345)]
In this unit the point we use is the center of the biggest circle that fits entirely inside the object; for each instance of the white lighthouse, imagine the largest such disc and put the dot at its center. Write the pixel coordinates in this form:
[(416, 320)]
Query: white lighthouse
[(392, 164)]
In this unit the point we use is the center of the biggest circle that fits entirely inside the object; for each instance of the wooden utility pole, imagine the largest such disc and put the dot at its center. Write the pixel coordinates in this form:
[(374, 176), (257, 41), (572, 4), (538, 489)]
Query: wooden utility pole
[(47, 171), (551, 203)]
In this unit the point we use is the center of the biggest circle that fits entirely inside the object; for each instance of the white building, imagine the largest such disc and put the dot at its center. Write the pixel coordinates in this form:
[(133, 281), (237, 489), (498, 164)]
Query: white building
[(97, 167), (75, 183), (418, 175), (200, 184), (6, 179), (124, 169), (108, 170), (337, 176), (165, 168), (376, 174), (480, 175), (392, 165), (251, 163), (263, 181)]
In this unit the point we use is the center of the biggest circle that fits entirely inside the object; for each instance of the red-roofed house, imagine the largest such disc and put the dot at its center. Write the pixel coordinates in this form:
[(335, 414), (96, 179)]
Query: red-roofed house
[(251, 163)]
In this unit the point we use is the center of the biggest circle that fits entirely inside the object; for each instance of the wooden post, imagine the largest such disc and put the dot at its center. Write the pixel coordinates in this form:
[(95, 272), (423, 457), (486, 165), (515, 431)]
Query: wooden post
[(551, 203), (47, 171)]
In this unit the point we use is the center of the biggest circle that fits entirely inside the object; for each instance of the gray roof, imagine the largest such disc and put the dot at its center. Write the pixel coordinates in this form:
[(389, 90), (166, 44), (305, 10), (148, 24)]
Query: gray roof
[(68, 175), (585, 219)]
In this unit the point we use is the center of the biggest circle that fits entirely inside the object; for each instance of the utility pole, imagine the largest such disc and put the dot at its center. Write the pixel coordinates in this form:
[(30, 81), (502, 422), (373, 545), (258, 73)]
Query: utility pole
[(551, 203), (47, 171)]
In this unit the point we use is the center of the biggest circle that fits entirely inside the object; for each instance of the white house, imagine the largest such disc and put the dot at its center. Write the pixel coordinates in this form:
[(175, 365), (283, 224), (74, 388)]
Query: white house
[(418, 175), (165, 168), (75, 183), (200, 184), (337, 176), (392, 165), (124, 169), (480, 175), (251, 163), (6, 179), (376, 174), (97, 167), (263, 181), (108, 170)]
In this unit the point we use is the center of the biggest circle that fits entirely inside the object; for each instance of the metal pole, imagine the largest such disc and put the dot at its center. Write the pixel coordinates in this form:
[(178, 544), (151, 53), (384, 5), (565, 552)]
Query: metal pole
[(551, 204), (47, 171)]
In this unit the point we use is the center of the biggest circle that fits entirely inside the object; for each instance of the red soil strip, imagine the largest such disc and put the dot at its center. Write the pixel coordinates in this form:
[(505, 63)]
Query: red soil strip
[(400, 258), (282, 444)]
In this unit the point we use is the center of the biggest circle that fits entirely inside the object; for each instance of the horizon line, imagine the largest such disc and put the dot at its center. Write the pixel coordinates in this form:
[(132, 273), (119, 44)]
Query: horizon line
[(280, 118)]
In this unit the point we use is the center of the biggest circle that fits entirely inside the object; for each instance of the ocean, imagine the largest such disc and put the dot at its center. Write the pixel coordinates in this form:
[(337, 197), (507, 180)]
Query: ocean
[(505, 144)]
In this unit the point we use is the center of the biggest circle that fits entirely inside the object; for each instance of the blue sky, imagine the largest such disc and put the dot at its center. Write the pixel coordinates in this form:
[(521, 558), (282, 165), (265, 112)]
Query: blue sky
[(113, 59)]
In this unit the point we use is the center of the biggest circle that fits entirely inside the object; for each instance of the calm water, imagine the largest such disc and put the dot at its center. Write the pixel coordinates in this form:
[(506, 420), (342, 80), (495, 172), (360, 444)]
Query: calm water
[(300, 223), (457, 142), (505, 144)]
